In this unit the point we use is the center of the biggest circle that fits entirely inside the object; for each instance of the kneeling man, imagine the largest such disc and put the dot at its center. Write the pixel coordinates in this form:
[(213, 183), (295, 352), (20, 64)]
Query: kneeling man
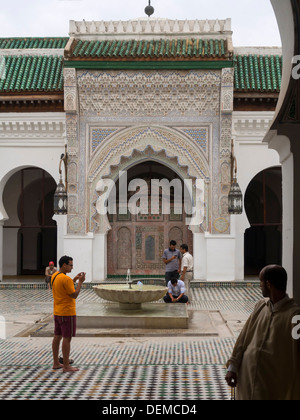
[(175, 294)]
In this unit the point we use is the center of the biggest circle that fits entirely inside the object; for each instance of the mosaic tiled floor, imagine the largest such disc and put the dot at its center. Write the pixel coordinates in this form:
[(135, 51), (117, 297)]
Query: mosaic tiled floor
[(211, 298), (150, 371), (118, 369)]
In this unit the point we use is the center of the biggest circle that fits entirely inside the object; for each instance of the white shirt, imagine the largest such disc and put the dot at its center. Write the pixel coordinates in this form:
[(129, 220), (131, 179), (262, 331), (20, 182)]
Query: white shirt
[(176, 290), (187, 261)]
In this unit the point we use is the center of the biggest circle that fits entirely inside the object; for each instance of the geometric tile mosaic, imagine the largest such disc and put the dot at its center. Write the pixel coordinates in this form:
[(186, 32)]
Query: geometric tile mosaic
[(115, 383), (186, 371), (203, 298), (185, 368), (18, 351), (100, 134), (199, 135)]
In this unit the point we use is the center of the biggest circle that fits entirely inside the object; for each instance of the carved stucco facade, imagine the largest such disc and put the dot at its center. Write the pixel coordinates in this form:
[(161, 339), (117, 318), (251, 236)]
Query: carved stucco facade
[(182, 119), (116, 119)]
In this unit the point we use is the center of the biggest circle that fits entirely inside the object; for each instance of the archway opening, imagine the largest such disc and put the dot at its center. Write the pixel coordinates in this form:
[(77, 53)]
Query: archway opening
[(30, 233), (263, 206), (137, 241)]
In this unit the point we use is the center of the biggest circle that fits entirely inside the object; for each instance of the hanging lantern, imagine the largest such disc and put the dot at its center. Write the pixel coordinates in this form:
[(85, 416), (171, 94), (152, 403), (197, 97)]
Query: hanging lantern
[(60, 199), (235, 196), (61, 195)]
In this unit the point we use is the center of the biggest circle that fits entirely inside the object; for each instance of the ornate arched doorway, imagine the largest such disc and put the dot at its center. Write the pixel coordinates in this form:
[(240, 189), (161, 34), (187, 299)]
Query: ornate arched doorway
[(137, 241), (30, 233)]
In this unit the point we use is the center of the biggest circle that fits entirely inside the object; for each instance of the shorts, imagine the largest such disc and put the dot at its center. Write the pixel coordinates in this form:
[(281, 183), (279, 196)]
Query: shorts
[(65, 326)]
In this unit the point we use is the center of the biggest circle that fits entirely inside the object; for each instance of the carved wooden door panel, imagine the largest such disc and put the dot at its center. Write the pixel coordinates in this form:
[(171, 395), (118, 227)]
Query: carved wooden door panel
[(138, 242)]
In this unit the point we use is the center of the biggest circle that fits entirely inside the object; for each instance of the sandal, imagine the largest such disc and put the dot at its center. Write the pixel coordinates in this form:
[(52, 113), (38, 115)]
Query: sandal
[(61, 360)]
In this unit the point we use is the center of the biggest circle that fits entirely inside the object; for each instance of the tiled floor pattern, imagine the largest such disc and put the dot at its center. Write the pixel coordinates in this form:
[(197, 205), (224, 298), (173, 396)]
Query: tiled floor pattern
[(115, 383), (219, 298), (151, 371), (166, 369)]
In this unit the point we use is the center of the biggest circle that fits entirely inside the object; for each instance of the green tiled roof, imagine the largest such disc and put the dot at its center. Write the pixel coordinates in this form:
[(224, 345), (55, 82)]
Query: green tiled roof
[(258, 73), (32, 74), (25, 43), (163, 49), (26, 74)]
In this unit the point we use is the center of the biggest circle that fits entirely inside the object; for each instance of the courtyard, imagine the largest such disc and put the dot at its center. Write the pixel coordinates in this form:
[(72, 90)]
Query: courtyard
[(181, 365)]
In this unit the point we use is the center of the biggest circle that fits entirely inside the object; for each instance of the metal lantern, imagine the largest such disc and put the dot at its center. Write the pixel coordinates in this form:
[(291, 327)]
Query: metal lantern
[(61, 194), (60, 199), (235, 196)]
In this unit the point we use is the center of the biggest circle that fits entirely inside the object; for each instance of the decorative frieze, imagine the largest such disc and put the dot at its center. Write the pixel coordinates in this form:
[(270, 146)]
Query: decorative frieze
[(227, 90), (26, 130), (150, 27), (70, 90), (149, 93), (251, 125)]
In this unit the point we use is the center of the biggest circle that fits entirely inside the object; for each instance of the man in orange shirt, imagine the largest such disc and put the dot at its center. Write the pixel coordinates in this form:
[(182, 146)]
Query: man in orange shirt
[(64, 296)]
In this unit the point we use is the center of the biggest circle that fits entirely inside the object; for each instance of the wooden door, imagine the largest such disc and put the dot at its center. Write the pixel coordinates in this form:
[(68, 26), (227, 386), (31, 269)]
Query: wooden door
[(137, 242)]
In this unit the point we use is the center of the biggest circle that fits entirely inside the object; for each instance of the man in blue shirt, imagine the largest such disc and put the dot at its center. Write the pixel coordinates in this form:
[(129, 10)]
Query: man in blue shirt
[(175, 292), (172, 259)]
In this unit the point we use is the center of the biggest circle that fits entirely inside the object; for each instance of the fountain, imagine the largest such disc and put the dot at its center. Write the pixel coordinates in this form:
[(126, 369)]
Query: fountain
[(130, 296), (129, 305)]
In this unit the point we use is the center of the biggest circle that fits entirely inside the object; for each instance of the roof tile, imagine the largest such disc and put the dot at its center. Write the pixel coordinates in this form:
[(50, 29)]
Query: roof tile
[(258, 73), (40, 43), (154, 49), (29, 74)]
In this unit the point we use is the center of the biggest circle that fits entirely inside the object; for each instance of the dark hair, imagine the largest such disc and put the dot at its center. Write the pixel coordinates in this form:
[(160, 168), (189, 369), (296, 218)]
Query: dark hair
[(64, 260), (174, 280), (172, 242), (276, 275), (184, 246)]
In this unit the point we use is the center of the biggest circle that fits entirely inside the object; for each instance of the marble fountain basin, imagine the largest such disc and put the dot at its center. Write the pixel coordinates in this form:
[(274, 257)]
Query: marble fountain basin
[(130, 298)]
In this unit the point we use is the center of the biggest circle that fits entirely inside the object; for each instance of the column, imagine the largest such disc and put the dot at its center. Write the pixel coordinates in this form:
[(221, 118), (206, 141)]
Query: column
[(61, 222), (1, 249), (199, 247), (100, 257)]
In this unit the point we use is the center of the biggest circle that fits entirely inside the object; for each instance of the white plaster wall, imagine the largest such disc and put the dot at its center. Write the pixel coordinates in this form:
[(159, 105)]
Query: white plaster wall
[(80, 248), (100, 257), (33, 139), (253, 156), (220, 251)]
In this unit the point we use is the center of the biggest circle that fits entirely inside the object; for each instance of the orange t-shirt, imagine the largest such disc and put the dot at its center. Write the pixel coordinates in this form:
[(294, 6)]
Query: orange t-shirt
[(62, 287)]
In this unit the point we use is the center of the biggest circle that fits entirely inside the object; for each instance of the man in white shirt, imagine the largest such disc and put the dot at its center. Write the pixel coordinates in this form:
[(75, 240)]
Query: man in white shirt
[(187, 265), (175, 292)]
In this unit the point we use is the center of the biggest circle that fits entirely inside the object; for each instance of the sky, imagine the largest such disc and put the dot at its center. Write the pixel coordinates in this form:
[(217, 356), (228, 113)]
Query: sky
[(253, 21)]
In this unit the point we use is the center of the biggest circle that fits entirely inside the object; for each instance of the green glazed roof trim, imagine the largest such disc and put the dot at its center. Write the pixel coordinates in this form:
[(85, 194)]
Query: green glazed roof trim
[(34, 43), (33, 74), (258, 73), (163, 49), (148, 65), (45, 73)]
